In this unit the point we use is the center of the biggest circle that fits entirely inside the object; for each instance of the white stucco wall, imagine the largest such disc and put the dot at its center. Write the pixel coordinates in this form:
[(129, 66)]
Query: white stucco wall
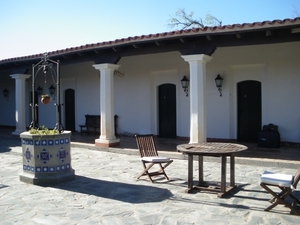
[(136, 92), (276, 66)]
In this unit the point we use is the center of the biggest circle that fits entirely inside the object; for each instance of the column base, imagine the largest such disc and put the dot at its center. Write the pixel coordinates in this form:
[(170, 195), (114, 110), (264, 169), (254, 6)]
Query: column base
[(17, 132), (107, 143)]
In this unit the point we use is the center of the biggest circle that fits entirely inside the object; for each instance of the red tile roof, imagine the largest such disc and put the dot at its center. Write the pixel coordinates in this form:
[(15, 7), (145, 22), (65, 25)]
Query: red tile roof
[(167, 35)]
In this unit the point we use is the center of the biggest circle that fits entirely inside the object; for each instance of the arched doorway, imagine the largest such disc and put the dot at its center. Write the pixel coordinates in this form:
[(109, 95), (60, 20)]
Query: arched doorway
[(167, 110), (249, 110)]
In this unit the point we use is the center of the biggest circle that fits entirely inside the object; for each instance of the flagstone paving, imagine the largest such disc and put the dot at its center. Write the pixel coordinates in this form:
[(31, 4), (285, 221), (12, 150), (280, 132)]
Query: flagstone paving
[(106, 191)]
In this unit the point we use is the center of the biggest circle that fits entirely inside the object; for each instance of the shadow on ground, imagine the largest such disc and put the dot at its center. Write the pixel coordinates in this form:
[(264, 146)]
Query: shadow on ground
[(131, 193)]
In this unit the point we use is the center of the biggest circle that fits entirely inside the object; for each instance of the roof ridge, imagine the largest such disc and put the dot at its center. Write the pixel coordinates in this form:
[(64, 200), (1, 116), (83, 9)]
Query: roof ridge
[(166, 34)]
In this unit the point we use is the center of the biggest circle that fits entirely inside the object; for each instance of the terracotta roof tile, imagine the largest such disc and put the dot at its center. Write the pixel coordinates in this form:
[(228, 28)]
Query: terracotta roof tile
[(193, 31)]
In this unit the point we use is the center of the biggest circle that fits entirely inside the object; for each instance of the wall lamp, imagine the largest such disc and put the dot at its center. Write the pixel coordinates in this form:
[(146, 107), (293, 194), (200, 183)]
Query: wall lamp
[(6, 94), (52, 91), (185, 85), (39, 91), (219, 83)]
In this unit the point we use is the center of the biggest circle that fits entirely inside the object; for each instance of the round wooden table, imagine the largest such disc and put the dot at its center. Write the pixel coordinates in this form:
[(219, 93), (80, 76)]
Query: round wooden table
[(215, 149)]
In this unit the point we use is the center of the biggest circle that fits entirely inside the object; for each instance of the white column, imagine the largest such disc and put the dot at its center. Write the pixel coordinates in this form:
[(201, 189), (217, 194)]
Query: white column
[(107, 137), (197, 96), (20, 113)]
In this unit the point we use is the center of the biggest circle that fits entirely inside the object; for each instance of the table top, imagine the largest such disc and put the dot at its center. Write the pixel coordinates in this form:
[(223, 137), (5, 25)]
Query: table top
[(211, 148)]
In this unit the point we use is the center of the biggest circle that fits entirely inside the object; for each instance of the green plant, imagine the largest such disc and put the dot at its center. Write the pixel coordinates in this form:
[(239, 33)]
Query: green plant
[(45, 96), (43, 131)]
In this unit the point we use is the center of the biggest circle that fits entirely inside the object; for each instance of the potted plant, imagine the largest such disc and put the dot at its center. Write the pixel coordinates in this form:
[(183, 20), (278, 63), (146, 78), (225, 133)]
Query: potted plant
[(45, 99)]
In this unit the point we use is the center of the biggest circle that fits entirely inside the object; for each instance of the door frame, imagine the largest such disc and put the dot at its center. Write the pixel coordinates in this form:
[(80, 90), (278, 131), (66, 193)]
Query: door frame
[(158, 78), (239, 73)]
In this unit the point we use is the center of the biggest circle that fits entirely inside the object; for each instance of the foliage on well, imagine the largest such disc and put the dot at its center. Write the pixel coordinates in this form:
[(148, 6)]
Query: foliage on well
[(43, 131)]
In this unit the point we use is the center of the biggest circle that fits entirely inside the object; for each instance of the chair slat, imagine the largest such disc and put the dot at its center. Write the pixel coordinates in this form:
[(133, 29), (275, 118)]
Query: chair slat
[(147, 148), (146, 145)]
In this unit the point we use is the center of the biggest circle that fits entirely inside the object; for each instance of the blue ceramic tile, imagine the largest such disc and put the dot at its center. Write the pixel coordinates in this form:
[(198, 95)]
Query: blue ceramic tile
[(62, 154), (28, 155), (44, 155)]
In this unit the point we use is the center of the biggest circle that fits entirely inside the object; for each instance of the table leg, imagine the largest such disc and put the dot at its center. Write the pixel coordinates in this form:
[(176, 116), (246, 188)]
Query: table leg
[(190, 173), (200, 168), (232, 171), (223, 175)]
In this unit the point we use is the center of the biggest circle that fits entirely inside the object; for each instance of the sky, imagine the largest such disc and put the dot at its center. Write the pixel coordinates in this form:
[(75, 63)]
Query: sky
[(29, 27)]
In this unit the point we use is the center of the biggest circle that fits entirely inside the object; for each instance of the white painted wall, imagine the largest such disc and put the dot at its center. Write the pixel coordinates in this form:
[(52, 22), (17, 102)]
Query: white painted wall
[(277, 67)]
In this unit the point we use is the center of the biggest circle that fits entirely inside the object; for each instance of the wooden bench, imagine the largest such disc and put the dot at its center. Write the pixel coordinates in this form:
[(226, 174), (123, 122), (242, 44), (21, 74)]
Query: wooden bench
[(92, 124)]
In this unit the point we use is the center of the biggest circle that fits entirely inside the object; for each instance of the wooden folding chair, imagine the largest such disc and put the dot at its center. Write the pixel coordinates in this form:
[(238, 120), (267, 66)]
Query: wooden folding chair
[(149, 157), (286, 183)]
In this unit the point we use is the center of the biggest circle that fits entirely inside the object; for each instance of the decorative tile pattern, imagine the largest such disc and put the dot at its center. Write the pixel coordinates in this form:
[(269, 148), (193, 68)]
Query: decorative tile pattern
[(46, 142), (62, 154), (28, 168), (46, 169), (27, 142), (28, 155), (45, 156)]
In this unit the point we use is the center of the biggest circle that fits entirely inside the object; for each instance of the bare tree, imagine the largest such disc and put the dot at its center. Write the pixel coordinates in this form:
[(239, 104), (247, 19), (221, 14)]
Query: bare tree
[(296, 11), (183, 20)]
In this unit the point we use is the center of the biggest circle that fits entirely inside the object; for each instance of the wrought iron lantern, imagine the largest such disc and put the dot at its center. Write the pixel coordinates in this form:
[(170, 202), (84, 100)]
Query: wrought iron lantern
[(39, 91), (51, 90), (219, 83), (6, 93), (185, 85)]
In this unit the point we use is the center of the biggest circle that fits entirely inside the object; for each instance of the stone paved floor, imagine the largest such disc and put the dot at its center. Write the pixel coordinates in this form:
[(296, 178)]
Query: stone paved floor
[(105, 191)]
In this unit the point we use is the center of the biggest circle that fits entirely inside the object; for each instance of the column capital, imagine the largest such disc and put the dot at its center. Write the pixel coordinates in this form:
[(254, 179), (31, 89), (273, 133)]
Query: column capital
[(20, 76), (106, 66), (198, 57)]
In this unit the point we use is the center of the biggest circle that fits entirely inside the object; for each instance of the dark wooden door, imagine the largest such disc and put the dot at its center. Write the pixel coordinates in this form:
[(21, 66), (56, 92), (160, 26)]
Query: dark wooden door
[(70, 109), (167, 110), (249, 110)]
